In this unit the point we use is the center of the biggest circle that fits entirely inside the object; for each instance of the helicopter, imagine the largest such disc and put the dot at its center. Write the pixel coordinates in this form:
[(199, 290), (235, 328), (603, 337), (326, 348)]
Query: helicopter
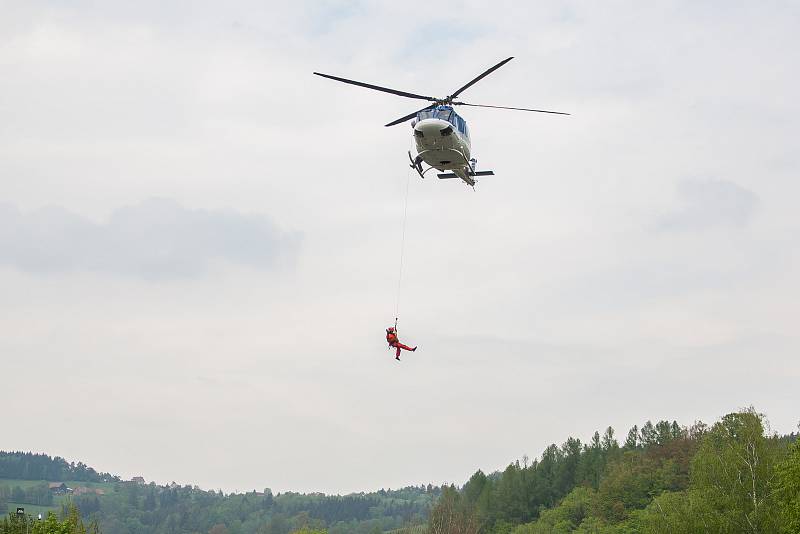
[(441, 135)]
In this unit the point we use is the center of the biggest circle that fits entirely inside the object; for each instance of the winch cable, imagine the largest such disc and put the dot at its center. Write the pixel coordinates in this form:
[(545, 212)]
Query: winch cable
[(402, 248)]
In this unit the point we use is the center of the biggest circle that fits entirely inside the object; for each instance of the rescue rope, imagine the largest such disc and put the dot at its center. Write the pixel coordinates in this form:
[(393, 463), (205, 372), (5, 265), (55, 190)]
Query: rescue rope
[(402, 249)]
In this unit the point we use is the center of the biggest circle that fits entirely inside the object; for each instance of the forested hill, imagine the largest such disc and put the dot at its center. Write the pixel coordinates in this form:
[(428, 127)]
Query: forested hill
[(31, 466), (133, 507), (734, 476)]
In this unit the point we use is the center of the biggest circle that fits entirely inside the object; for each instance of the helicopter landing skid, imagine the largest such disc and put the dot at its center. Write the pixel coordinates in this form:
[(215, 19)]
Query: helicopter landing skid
[(416, 164)]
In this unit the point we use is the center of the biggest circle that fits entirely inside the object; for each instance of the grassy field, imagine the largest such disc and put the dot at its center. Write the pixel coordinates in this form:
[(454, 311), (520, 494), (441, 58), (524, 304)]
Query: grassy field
[(108, 487), (33, 509), (417, 529), (24, 484), (58, 500)]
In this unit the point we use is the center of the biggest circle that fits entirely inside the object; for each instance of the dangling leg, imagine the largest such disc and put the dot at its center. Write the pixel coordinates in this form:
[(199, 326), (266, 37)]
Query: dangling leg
[(397, 355), (404, 347)]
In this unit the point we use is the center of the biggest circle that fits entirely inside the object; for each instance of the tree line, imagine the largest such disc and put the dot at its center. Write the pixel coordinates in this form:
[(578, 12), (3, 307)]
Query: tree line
[(34, 466), (138, 509), (70, 522), (732, 477), (38, 494)]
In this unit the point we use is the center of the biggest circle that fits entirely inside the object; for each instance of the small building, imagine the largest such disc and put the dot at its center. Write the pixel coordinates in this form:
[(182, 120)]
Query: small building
[(58, 488), (138, 480)]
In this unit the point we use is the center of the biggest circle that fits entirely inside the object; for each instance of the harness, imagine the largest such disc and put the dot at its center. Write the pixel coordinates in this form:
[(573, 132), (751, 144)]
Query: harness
[(391, 338)]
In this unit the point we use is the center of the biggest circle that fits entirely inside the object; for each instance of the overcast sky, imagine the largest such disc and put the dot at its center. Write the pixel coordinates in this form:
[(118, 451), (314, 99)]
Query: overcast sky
[(199, 240)]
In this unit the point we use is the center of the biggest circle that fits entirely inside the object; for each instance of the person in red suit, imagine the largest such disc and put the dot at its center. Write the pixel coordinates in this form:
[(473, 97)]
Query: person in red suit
[(393, 341)]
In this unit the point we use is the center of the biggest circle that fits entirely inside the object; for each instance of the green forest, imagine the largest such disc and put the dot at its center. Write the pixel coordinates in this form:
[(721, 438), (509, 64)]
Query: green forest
[(733, 476), (30, 466)]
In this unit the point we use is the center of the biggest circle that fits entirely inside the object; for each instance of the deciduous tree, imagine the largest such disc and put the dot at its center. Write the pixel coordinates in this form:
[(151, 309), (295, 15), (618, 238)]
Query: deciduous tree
[(788, 488), (733, 472)]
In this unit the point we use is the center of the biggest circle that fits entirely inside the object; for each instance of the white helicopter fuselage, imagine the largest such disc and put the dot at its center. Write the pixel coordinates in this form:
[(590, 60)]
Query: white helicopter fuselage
[(442, 141), (441, 145)]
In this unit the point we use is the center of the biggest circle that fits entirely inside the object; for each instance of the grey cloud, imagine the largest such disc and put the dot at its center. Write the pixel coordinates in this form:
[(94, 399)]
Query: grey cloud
[(157, 238), (709, 203)]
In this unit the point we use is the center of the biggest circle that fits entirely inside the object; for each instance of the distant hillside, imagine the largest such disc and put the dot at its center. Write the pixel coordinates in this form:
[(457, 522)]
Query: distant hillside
[(42, 483), (32, 466), (734, 476), (663, 478), (133, 508)]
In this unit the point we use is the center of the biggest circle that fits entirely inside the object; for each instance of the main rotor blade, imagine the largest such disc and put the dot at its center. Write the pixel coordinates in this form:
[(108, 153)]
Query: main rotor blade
[(409, 116), (506, 107), (376, 87), (486, 73)]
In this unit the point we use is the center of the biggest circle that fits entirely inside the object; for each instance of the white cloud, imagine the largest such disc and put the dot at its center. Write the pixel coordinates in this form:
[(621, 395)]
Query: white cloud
[(709, 203), (156, 239)]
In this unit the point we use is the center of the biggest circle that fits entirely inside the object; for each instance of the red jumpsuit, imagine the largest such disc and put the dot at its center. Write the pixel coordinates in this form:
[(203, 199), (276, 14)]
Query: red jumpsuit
[(391, 339)]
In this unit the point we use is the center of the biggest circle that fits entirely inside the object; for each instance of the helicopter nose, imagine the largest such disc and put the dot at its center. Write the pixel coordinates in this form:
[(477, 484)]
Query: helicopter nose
[(432, 128)]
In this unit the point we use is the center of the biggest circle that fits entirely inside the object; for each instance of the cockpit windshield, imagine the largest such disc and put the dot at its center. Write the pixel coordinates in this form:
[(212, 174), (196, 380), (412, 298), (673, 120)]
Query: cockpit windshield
[(444, 114)]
